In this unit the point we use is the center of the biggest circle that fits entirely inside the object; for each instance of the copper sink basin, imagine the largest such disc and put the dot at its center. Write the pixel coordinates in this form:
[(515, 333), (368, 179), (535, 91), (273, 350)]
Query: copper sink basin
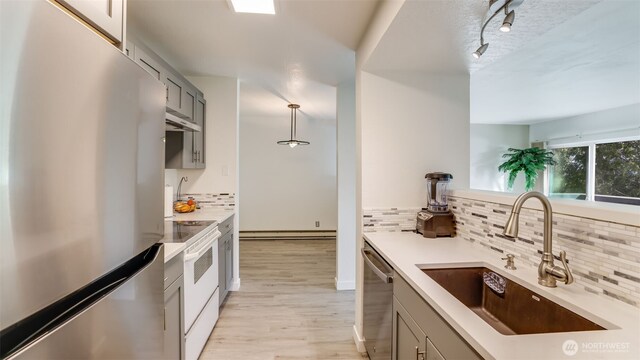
[(515, 311)]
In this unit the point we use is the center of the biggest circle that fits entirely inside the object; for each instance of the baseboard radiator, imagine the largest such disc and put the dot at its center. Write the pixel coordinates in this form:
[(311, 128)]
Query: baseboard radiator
[(288, 235)]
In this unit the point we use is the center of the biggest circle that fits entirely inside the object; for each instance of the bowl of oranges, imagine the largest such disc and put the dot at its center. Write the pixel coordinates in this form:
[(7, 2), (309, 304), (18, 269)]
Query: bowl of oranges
[(185, 206)]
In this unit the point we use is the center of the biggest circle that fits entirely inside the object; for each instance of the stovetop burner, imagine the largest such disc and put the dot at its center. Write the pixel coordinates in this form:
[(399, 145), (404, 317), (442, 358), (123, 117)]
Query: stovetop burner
[(185, 230)]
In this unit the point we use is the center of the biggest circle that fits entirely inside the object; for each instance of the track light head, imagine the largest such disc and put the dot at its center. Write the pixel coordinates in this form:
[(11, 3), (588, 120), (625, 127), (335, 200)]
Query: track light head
[(480, 50), (508, 21)]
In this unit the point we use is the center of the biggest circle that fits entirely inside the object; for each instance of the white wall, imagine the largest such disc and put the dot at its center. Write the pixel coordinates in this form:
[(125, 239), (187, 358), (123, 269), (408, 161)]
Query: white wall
[(220, 175), (412, 125), (607, 124), (346, 246), (284, 188), (221, 149), (406, 125), (386, 12), (487, 144)]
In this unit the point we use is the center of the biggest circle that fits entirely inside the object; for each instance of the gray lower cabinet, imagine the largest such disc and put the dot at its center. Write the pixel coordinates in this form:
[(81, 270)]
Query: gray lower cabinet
[(174, 309), (229, 263), (419, 332), (225, 258), (410, 340)]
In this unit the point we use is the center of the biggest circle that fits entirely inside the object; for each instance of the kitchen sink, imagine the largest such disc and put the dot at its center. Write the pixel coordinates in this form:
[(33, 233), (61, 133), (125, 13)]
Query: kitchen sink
[(508, 307)]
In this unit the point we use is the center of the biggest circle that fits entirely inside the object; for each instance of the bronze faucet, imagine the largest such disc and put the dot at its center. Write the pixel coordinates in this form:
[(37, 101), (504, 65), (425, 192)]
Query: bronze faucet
[(548, 273)]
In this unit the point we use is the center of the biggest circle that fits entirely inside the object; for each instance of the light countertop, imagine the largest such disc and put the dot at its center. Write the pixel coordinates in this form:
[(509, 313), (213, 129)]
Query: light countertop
[(172, 249), (406, 252)]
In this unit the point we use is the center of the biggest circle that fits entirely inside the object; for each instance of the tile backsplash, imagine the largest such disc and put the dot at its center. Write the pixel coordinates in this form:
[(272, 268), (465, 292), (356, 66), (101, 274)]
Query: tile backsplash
[(222, 201), (391, 219), (604, 257)]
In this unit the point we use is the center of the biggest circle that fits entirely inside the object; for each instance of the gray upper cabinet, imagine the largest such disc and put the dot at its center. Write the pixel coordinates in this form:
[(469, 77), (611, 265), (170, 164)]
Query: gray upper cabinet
[(105, 16), (200, 116), (188, 102), (175, 91), (181, 99), (189, 151), (183, 149), (148, 63)]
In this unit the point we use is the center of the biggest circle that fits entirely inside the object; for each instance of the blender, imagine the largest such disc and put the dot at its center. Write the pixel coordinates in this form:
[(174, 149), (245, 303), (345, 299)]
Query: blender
[(436, 219)]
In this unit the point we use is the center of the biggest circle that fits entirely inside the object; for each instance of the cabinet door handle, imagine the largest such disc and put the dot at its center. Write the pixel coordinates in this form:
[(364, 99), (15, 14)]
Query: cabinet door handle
[(419, 354), (164, 319)]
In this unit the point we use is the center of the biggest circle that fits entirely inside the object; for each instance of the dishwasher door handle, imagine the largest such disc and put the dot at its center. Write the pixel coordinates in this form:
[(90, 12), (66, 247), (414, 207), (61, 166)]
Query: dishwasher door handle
[(387, 277)]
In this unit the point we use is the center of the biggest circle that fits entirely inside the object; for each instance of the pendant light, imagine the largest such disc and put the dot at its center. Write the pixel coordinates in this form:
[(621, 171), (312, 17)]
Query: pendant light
[(293, 142)]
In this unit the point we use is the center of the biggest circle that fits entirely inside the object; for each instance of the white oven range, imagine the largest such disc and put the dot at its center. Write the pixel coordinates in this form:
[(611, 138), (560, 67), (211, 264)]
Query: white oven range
[(201, 298)]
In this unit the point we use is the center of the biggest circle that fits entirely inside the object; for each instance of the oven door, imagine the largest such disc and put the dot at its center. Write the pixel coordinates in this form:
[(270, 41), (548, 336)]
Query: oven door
[(200, 275)]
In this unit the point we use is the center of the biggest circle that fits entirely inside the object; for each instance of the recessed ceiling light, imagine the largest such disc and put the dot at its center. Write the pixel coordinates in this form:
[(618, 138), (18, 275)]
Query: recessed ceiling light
[(253, 6)]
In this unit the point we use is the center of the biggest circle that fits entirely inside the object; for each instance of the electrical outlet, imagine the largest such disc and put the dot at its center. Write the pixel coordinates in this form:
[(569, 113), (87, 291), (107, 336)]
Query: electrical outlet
[(317, 223)]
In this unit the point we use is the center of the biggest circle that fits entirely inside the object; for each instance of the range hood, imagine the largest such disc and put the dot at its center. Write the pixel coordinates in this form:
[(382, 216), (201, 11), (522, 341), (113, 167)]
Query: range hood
[(175, 123)]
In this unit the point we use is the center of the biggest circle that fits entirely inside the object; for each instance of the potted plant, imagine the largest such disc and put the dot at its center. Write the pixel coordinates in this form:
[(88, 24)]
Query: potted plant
[(530, 161)]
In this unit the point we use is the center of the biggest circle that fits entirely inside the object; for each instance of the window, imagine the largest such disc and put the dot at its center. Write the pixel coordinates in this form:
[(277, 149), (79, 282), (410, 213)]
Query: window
[(617, 177), (568, 178), (598, 171)]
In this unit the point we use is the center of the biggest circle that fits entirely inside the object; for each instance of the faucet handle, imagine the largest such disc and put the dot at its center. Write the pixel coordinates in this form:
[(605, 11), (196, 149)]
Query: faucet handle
[(510, 262), (563, 258)]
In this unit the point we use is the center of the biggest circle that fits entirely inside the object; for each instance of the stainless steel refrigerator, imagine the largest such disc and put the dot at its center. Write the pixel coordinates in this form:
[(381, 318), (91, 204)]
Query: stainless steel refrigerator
[(81, 189)]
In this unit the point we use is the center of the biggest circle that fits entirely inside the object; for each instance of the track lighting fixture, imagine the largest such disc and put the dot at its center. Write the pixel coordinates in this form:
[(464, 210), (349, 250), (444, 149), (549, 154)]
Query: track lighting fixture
[(495, 8), (480, 50), (508, 21)]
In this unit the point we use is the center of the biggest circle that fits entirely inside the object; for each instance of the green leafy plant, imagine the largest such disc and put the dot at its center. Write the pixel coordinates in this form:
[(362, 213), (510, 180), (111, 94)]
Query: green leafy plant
[(530, 161)]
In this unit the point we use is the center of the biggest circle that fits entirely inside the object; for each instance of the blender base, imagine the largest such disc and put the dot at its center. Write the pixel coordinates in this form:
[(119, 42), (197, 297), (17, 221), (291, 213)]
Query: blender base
[(436, 225)]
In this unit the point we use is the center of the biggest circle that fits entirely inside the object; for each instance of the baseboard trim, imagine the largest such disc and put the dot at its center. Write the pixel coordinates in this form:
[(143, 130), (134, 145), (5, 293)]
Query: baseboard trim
[(345, 285), (359, 340), (235, 286), (288, 235)]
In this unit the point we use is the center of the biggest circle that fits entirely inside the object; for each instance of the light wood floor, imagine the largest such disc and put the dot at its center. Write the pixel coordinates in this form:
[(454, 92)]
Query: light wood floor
[(287, 307)]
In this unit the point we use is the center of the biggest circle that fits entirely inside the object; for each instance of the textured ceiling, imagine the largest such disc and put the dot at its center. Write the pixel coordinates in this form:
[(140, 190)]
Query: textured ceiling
[(562, 58), (438, 36), (588, 63), (298, 55)]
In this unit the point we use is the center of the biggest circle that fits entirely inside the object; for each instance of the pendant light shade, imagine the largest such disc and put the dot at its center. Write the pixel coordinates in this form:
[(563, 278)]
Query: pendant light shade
[(293, 142)]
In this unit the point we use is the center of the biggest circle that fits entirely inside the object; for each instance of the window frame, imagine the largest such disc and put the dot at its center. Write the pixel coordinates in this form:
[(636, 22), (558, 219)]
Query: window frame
[(591, 161)]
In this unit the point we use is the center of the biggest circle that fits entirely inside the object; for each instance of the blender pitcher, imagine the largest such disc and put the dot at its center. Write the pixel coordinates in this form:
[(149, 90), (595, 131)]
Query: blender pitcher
[(437, 185)]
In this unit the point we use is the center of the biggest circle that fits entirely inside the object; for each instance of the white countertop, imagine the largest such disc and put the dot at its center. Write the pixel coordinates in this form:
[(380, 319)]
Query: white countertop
[(404, 250), (172, 249)]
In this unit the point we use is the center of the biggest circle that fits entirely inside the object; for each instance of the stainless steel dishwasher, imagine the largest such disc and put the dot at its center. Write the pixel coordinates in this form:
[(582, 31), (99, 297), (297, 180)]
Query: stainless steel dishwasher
[(378, 304)]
